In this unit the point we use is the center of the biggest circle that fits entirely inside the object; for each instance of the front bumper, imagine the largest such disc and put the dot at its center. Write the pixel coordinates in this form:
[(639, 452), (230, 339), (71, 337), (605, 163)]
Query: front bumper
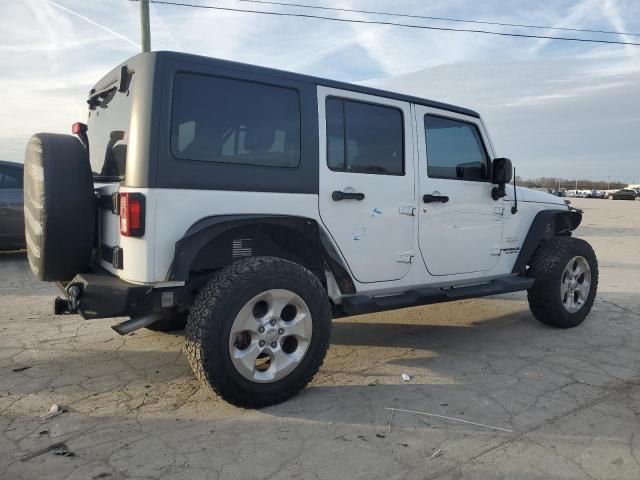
[(99, 294)]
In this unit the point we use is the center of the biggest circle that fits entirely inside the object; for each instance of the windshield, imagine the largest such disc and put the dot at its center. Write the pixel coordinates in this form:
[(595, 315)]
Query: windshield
[(109, 117)]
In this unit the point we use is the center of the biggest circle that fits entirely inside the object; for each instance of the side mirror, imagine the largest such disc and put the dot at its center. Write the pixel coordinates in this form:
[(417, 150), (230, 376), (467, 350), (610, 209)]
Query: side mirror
[(501, 174)]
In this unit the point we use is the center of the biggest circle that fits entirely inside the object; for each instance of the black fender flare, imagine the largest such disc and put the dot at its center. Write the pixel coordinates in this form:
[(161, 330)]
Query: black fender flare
[(546, 224), (204, 231)]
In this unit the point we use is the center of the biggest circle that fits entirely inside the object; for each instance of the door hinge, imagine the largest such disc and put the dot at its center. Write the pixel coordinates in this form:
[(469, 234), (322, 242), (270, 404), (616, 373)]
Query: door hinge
[(496, 251), (405, 257), (498, 211), (408, 210)]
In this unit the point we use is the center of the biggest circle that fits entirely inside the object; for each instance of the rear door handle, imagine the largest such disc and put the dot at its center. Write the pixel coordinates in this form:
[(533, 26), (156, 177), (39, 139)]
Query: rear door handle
[(435, 198), (337, 195)]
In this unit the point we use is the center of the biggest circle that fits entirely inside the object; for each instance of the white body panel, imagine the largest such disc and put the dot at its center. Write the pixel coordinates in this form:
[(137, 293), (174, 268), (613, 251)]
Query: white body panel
[(371, 233), (464, 234)]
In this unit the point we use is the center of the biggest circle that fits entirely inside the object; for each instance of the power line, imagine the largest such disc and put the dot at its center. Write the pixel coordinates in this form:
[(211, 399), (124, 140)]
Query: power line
[(446, 19), (393, 24)]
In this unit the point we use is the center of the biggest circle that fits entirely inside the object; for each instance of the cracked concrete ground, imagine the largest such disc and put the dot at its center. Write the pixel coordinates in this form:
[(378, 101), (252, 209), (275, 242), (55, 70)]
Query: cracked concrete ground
[(571, 398)]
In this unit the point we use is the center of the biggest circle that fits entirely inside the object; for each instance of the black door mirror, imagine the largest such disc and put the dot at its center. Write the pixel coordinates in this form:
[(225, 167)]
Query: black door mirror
[(501, 173)]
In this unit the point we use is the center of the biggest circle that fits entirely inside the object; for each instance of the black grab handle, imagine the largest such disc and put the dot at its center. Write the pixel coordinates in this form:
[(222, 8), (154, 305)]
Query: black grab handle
[(338, 195), (435, 198)]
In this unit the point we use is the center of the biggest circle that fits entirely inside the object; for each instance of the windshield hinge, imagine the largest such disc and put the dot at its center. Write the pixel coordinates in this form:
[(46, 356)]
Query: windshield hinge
[(408, 210), (405, 257)]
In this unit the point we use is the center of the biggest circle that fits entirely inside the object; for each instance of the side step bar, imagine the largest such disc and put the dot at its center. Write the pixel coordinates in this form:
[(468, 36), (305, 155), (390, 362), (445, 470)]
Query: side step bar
[(360, 304)]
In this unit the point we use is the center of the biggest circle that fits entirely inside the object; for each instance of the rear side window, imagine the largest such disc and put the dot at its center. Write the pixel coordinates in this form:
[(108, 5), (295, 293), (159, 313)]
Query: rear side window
[(10, 177), (455, 150), (234, 121), (364, 138)]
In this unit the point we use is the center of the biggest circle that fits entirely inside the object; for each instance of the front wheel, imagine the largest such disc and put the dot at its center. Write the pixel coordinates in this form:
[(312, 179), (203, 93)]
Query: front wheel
[(566, 280), (258, 331)]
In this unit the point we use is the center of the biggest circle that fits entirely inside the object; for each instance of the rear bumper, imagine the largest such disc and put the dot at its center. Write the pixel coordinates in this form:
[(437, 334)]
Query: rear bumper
[(99, 294)]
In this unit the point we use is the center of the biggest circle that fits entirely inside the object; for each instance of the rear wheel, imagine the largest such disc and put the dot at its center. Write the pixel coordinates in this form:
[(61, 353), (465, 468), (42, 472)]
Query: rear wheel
[(566, 280), (259, 331)]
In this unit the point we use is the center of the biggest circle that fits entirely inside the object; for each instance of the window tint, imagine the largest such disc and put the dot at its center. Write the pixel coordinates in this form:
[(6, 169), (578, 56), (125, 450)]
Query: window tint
[(364, 138), (10, 178), (454, 150), (232, 121)]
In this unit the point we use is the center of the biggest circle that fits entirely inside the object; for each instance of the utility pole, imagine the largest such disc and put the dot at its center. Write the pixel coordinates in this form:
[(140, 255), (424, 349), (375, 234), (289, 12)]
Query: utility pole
[(144, 25)]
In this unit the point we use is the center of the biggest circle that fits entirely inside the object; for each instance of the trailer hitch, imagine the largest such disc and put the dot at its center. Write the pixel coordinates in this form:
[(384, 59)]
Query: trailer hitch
[(69, 305)]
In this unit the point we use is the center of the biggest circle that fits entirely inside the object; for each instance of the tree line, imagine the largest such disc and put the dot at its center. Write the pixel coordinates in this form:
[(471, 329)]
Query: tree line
[(568, 184)]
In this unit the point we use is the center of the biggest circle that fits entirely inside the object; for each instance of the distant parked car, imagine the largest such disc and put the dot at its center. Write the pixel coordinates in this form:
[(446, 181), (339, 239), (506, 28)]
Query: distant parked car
[(11, 206), (624, 194)]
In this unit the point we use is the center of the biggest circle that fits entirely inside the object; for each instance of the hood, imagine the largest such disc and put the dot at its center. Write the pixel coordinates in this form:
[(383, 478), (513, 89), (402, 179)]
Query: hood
[(535, 196)]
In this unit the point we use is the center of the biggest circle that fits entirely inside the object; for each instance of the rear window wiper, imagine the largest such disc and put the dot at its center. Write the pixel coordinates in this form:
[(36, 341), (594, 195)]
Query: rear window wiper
[(100, 98)]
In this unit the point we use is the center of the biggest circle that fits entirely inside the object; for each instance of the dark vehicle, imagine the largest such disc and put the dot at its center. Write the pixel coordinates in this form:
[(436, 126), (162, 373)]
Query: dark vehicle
[(11, 206), (624, 194)]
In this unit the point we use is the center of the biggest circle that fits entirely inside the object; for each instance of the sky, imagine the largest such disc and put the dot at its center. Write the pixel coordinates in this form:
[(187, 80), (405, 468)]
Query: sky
[(557, 109)]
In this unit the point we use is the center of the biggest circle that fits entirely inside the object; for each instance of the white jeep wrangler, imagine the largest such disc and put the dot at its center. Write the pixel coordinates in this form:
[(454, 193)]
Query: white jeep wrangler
[(254, 205)]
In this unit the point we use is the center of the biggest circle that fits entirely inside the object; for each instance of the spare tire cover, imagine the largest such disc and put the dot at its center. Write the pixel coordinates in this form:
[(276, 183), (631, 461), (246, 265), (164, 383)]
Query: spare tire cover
[(59, 206)]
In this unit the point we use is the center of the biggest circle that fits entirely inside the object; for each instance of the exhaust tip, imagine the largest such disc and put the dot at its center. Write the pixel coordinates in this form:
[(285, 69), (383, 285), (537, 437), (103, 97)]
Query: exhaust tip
[(134, 324)]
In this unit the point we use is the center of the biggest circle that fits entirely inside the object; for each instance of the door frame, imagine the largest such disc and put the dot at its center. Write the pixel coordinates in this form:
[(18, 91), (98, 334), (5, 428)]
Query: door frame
[(409, 150), (423, 179)]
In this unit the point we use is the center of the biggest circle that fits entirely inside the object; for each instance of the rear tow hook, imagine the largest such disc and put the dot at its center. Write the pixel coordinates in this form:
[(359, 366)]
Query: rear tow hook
[(69, 305)]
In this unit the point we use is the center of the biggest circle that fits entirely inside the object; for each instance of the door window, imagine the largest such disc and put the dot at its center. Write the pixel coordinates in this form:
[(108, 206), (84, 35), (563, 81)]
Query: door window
[(364, 138), (233, 121), (455, 150)]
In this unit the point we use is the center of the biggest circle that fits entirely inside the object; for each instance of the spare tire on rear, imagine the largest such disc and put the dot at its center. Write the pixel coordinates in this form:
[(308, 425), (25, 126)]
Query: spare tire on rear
[(59, 206)]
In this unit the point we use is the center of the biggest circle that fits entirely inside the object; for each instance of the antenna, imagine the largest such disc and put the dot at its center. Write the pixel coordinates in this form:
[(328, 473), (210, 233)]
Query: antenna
[(514, 209)]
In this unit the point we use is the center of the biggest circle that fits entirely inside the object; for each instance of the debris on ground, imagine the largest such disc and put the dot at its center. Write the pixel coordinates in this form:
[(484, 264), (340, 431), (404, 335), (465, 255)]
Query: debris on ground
[(42, 451), (406, 377), (21, 369), (379, 435), (54, 410), (437, 453), (63, 451), (444, 417)]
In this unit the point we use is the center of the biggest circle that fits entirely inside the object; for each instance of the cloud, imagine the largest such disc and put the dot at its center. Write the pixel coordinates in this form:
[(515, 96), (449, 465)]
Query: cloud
[(53, 51), (567, 117)]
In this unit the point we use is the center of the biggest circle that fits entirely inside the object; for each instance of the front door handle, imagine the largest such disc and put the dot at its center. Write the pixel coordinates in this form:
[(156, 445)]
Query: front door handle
[(435, 198), (337, 195)]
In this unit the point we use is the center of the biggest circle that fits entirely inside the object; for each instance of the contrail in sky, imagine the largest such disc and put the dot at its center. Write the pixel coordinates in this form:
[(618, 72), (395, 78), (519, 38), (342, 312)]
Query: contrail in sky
[(106, 29)]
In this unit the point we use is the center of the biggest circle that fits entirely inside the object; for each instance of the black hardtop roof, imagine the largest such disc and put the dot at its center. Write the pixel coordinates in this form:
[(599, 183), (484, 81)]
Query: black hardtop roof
[(213, 62)]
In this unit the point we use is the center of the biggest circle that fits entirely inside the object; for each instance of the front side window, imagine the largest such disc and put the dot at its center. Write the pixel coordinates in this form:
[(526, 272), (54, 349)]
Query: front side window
[(455, 150), (234, 121), (364, 138)]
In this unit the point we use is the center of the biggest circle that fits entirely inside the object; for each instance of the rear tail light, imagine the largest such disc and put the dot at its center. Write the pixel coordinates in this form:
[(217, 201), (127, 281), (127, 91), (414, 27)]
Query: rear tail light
[(78, 128), (132, 214)]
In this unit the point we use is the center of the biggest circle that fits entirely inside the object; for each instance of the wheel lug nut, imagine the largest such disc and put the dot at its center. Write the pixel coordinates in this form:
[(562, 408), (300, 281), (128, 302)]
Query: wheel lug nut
[(261, 329), (261, 343), (280, 331), (273, 321), (274, 344)]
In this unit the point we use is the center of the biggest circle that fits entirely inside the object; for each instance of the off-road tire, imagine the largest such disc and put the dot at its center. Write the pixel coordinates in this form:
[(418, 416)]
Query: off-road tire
[(214, 310), (59, 206), (547, 267), (172, 323)]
